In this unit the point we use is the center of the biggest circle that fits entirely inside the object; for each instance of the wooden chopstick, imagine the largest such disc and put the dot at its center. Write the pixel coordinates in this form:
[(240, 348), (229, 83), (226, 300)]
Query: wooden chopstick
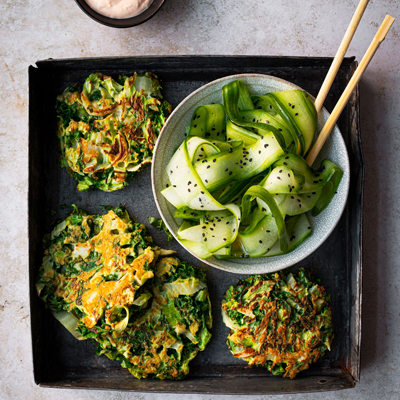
[(330, 123), (337, 61)]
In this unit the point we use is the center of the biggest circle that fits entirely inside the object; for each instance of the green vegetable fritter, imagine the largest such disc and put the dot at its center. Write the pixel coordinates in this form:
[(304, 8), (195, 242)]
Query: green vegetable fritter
[(278, 321), (104, 279), (108, 129)]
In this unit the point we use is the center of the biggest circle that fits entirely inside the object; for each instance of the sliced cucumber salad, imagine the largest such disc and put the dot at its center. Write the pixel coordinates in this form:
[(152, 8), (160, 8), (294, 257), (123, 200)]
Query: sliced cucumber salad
[(239, 181)]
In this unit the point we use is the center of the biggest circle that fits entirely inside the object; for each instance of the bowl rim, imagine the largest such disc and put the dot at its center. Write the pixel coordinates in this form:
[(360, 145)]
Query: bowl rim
[(156, 197), (122, 22)]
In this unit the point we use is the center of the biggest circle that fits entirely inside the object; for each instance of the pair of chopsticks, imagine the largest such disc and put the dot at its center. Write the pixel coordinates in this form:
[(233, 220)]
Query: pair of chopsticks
[(373, 47)]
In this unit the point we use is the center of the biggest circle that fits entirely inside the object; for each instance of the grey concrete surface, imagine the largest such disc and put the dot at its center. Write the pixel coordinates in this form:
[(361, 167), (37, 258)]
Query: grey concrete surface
[(38, 29)]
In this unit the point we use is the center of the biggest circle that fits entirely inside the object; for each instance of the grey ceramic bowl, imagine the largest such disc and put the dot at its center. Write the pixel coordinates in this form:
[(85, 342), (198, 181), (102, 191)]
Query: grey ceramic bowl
[(121, 23), (172, 136)]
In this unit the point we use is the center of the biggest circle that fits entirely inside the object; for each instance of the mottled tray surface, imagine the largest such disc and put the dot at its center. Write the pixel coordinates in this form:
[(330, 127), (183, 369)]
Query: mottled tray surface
[(61, 361)]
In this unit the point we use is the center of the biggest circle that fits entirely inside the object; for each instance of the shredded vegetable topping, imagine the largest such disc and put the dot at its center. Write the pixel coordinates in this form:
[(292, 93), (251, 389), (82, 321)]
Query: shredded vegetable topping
[(239, 180), (108, 129), (104, 279), (277, 321)]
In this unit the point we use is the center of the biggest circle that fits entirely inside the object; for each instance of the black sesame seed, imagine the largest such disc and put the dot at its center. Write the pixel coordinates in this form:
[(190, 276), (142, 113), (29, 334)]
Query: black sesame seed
[(260, 241), (208, 166), (230, 150), (214, 160), (167, 185)]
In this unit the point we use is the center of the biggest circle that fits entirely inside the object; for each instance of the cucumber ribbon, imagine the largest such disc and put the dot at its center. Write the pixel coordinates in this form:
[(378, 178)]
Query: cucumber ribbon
[(239, 186)]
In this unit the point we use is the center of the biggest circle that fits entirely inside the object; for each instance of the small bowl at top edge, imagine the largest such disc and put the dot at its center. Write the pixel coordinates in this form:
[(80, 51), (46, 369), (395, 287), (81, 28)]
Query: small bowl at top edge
[(172, 136), (121, 23)]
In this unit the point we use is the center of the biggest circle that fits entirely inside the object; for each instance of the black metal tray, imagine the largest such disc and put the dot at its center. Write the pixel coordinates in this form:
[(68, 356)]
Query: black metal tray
[(61, 361)]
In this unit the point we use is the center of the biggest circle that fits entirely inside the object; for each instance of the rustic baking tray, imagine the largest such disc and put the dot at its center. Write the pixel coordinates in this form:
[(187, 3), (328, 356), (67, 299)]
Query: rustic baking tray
[(61, 361)]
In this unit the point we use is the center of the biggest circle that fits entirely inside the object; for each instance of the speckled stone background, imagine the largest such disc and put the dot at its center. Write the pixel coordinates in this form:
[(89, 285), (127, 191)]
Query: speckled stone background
[(38, 29)]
